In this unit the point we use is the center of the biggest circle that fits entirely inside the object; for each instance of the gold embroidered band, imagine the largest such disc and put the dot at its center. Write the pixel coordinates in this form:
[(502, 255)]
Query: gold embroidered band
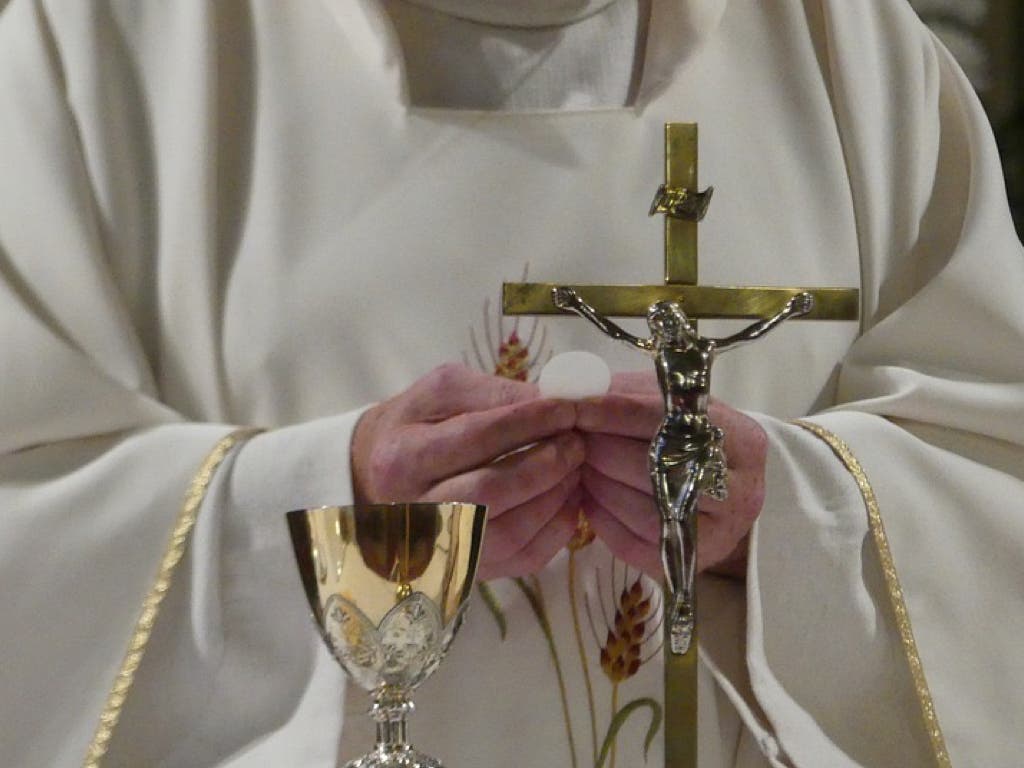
[(151, 605), (892, 583)]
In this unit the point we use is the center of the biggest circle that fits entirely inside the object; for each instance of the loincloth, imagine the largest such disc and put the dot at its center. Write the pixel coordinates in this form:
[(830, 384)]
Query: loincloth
[(692, 443)]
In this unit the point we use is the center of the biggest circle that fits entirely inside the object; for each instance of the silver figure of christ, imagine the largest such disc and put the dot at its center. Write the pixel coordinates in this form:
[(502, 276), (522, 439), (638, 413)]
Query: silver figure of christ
[(686, 458)]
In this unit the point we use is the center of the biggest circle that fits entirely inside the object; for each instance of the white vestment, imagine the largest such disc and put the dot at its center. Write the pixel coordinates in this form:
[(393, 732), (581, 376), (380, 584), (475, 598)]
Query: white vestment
[(223, 215)]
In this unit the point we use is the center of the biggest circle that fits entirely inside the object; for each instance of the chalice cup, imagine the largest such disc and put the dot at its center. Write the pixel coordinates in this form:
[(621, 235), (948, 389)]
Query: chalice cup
[(388, 585)]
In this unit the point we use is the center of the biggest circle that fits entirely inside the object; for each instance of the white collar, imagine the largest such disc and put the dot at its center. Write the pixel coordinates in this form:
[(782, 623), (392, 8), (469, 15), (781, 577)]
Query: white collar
[(678, 29), (517, 13)]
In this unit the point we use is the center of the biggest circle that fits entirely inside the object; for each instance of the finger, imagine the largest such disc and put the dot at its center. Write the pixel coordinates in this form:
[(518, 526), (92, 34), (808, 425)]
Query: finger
[(717, 540), (626, 415), (745, 499), (512, 530), (452, 388), (746, 444), (622, 542), (633, 509), (734, 564), (635, 383), (635, 414), (548, 542), (405, 462), (620, 458), (714, 547), (476, 438), (516, 478)]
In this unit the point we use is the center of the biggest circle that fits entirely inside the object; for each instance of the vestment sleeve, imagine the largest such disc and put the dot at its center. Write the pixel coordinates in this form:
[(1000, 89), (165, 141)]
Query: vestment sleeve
[(884, 596), (94, 467)]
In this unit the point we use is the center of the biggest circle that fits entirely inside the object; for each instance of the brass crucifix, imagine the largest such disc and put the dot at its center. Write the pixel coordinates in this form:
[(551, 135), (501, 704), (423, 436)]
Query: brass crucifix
[(684, 206)]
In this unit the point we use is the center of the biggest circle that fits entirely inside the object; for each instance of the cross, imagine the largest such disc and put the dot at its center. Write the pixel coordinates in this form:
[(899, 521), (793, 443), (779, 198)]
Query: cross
[(683, 207), (698, 301)]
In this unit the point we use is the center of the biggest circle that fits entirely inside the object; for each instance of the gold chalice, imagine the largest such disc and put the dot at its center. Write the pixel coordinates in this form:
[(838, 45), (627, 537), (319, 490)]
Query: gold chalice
[(388, 585)]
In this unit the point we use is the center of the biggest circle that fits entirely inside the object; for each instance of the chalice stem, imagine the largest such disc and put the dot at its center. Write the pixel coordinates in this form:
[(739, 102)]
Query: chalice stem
[(391, 734), (391, 707), (390, 710)]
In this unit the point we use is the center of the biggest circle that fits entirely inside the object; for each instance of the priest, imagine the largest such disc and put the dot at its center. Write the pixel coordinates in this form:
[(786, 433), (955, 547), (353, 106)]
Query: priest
[(249, 257)]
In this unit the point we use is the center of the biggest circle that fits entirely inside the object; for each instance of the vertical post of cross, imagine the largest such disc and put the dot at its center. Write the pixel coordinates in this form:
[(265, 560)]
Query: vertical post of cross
[(681, 266), (680, 234)]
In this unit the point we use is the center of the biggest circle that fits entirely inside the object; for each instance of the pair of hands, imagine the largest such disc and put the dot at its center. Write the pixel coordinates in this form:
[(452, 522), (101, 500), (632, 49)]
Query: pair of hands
[(457, 434)]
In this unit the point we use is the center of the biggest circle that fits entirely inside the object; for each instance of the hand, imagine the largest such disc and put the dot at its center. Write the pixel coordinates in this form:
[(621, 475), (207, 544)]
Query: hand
[(460, 435), (618, 497), (799, 305), (565, 298)]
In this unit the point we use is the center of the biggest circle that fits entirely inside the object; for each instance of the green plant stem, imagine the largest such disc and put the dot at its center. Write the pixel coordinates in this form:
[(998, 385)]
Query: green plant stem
[(494, 606), (615, 708), (620, 719)]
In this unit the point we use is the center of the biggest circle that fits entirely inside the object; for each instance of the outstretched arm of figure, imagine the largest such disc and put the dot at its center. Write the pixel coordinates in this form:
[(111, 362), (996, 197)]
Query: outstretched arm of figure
[(797, 306), (567, 300)]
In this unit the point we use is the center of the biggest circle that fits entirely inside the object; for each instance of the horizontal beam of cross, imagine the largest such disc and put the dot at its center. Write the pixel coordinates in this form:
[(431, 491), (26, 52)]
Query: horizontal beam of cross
[(698, 301)]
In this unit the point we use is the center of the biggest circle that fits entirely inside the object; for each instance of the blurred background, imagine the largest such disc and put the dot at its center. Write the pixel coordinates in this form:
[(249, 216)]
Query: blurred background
[(987, 37)]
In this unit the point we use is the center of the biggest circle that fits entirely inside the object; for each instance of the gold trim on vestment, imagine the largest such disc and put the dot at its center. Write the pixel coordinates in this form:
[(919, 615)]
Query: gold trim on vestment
[(892, 583), (151, 605)]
